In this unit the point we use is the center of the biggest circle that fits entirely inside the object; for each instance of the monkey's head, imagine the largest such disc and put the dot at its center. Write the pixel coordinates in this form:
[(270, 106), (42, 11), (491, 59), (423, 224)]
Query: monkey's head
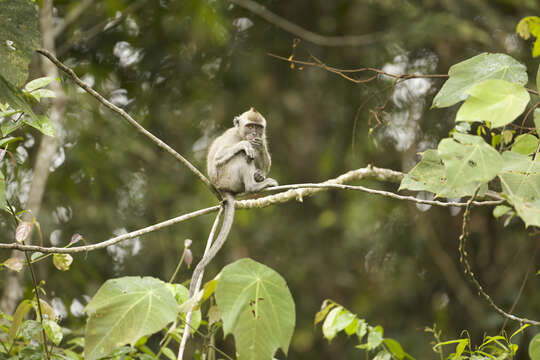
[(250, 124)]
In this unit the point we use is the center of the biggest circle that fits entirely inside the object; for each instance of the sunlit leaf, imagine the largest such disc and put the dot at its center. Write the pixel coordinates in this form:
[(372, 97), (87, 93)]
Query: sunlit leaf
[(537, 120), (257, 308), (430, 175), (468, 159), (534, 347), (482, 67), (520, 180), (14, 263), (525, 144), (24, 229), (20, 38), (500, 210), (337, 320), (327, 305), (38, 83), (22, 309), (62, 261), (125, 309), (498, 101), (375, 337), (528, 26), (18, 100), (395, 348), (53, 331)]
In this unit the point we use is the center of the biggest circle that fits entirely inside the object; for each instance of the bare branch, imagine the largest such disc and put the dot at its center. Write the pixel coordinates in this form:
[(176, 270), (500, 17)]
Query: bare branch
[(314, 38), (129, 119), (114, 240), (296, 192), (463, 258)]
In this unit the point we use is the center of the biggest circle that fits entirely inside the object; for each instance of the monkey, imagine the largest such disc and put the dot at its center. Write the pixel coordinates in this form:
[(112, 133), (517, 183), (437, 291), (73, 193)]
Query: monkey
[(238, 161)]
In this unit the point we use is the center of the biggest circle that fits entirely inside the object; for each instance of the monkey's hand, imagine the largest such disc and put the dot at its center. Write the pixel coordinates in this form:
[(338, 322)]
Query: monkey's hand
[(256, 141), (258, 176), (246, 147)]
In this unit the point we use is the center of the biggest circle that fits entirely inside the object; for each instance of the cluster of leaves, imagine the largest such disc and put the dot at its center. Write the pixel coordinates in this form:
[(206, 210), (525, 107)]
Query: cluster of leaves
[(492, 347), (338, 319), (252, 302), (493, 87)]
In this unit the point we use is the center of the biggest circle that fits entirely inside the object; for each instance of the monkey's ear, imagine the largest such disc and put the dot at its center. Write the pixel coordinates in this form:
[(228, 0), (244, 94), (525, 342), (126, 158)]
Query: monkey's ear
[(236, 121)]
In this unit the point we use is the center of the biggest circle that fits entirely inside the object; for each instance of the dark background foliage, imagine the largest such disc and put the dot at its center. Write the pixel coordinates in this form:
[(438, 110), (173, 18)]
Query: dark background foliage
[(183, 69)]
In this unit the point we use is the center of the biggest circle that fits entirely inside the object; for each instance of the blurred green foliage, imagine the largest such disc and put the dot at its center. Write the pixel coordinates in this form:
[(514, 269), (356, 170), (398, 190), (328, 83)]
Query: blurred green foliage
[(183, 69)]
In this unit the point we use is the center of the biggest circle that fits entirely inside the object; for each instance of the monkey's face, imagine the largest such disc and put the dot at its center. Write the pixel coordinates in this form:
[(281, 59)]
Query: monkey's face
[(252, 131)]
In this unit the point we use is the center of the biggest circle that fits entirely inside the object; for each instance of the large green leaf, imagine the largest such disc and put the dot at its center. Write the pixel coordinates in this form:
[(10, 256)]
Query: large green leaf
[(19, 38), (125, 309), (520, 179), (525, 144), (498, 101), (18, 101), (475, 70), (430, 175), (468, 159), (534, 347), (257, 308)]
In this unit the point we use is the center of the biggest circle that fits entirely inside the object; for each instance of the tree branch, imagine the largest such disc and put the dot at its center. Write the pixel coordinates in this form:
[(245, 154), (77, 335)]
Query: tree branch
[(129, 119), (314, 38), (463, 258), (296, 192)]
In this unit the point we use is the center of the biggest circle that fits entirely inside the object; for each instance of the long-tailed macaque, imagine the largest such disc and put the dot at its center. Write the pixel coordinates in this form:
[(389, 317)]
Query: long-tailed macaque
[(238, 161)]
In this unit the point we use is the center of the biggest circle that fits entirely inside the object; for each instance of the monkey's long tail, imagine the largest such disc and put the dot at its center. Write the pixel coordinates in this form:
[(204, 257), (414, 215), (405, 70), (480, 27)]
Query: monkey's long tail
[(228, 219)]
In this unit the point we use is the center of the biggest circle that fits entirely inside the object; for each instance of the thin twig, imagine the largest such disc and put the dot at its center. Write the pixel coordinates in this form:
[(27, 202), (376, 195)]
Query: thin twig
[(114, 240), (198, 281), (129, 119), (343, 72), (314, 38), (463, 258)]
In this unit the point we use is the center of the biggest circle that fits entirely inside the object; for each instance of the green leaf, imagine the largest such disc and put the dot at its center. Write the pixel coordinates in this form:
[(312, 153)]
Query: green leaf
[(53, 331), (31, 329), (534, 347), (42, 93), (520, 180), (325, 308), (38, 83), (375, 337), (537, 120), (525, 144), (337, 320), (181, 294), (125, 309), (395, 348), (468, 159), (482, 67), (500, 210), (22, 309), (498, 101), (18, 100), (528, 26), (20, 38), (257, 308), (430, 175), (62, 261)]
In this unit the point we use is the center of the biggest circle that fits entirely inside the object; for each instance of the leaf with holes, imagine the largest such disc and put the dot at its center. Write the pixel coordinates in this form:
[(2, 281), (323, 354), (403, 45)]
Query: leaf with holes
[(468, 159), (520, 180), (125, 309), (257, 308), (464, 75), (430, 175)]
